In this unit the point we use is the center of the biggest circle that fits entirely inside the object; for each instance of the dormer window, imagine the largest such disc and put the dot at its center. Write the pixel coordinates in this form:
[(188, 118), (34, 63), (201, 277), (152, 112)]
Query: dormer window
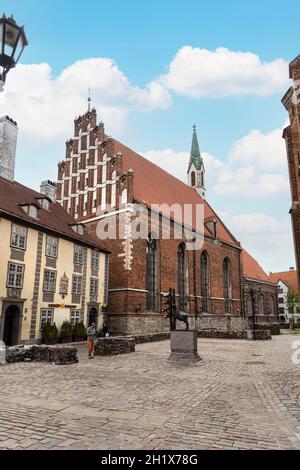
[(45, 204), (211, 224), (78, 228), (31, 210)]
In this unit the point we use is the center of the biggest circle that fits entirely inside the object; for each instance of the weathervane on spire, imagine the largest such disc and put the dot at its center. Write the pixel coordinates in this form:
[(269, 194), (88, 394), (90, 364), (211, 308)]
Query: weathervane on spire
[(89, 100)]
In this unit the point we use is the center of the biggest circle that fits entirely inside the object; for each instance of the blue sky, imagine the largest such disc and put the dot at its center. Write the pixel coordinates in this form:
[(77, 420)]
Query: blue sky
[(143, 40)]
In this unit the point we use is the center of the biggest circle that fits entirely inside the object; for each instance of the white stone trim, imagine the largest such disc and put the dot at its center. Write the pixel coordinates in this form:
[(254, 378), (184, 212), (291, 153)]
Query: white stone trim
[(127, 289)]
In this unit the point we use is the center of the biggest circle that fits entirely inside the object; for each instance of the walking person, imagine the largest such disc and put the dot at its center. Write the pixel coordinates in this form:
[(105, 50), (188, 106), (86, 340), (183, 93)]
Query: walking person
[(91, 336)]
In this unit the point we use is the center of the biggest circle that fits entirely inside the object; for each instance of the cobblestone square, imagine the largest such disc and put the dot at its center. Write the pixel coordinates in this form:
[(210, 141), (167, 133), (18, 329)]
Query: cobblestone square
[(242, 395)]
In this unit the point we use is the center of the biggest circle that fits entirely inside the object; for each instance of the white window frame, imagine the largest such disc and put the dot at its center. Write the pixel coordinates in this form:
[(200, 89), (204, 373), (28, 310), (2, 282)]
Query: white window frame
[(76, 284), (75, 316), (49, 284), (32, 211), (46, 314), (78, 254), (18, 238), (45, 204), (95, 259), (15, 277), (51, 247), (80, 229), (94, 287)]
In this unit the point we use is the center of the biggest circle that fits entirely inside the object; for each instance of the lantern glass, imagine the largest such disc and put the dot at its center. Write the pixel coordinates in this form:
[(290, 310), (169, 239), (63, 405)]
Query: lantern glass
[(1, 38), (19, 48), (11, 38)]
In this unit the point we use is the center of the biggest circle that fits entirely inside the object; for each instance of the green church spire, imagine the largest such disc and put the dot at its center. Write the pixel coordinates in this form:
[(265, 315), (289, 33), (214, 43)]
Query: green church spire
[(195, 157)]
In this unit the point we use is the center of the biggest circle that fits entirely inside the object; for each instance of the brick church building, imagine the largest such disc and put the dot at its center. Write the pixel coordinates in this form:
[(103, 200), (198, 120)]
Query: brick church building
[(102, 181), (291, 134)]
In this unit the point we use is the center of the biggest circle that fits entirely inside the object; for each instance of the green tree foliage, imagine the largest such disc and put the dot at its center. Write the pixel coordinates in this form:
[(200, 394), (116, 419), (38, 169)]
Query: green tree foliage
[(292, 300)]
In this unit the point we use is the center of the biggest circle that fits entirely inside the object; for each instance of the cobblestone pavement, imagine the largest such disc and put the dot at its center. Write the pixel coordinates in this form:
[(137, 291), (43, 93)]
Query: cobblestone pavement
[(242, 395)]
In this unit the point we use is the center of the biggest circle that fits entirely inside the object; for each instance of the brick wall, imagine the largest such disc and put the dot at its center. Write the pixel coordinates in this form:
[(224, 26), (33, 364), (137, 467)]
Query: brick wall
[(292, 137), (128, 287)]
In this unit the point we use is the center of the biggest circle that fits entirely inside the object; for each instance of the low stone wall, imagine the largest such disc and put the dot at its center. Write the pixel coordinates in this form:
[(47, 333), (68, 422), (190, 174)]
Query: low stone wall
[(146, 325), (260, 334), (263, 335), (114, 345), (58, 354), (274, 328), (230, 334)]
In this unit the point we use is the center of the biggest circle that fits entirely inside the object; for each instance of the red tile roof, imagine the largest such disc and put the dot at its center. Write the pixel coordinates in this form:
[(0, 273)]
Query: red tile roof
[(153, 185), (290, 278), (252, 269), (56, 219)]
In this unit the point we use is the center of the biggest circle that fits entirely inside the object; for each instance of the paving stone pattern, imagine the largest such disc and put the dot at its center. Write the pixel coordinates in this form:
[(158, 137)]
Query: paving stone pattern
[(242, 395)]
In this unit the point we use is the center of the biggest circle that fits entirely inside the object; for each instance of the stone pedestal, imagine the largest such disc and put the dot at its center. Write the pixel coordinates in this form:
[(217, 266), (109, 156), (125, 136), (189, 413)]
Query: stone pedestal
[(184, 346)]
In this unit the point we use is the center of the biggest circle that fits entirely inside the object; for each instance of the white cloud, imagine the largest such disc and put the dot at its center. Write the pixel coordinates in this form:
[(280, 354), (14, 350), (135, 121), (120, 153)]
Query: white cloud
[(176, 163), (266, 237), (256, 165), (266, 151), (255, 223), (45, 106), (201, 73), (247, 181)]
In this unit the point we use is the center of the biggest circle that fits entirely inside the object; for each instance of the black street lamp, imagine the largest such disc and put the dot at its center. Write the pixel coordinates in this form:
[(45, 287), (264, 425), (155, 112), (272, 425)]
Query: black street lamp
[(12, 43)]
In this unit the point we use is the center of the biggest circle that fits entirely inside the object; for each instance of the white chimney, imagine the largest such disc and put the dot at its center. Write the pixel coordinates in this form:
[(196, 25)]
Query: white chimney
[(8, 147), (48, 188)]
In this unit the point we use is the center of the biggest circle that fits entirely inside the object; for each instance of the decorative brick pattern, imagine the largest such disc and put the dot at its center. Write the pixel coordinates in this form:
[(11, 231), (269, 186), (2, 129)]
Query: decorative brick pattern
[(37, 284), (84, 281)]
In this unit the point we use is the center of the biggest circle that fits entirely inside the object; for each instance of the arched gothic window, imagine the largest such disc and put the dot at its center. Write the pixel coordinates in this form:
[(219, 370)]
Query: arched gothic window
[(193, 179), (151, 274), (227, 284), (249, 305), (181, 276), (204, 281), (261, 305), (272, 305)]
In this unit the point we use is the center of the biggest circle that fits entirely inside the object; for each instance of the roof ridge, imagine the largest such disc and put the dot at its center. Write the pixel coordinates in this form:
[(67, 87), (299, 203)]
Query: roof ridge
[(171, 190), (17, 183), (160, 168)]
